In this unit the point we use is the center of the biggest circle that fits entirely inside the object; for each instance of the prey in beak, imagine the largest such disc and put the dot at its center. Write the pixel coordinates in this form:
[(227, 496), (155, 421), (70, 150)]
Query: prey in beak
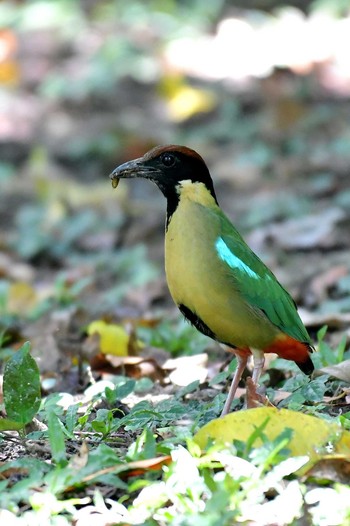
[(115, 181), (133, 169)]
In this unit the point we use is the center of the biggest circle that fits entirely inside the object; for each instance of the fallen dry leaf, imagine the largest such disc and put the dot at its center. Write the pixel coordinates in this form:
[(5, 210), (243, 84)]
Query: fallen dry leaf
[(80, 459), (187, 369), (253, 398), (114, 339), (130, 469), (334, 320), (13, 269), (131, 366), (341, 371), (319, 286), (306, 232), (335, 469), (312, 436)]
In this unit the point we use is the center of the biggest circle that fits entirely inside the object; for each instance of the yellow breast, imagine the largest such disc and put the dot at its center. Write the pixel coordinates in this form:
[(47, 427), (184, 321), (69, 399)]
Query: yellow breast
[(198, 279)]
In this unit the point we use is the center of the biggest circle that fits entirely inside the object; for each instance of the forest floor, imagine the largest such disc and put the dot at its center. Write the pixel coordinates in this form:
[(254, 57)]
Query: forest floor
[(82, 279)]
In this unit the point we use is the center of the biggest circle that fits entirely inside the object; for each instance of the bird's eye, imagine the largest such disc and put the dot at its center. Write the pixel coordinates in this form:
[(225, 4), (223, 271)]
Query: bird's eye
[(168, 159)]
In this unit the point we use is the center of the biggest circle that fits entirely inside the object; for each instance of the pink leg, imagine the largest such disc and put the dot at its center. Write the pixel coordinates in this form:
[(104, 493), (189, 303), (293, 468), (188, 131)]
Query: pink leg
[(241, 363), (259, 360)]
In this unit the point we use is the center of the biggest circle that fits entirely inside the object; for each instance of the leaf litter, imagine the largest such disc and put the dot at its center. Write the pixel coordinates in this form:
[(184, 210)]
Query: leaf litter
[(73, 252)]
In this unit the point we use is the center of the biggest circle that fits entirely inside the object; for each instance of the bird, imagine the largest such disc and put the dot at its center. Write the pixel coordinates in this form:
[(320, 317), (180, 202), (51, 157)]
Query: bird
[(218, 283)]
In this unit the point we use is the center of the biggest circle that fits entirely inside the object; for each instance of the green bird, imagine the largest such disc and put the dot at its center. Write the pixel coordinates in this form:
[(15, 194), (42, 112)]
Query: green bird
[(218, 283)]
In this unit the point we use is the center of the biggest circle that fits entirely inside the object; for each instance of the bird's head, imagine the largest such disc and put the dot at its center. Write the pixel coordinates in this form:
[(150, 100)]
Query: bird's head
[(168, 167)]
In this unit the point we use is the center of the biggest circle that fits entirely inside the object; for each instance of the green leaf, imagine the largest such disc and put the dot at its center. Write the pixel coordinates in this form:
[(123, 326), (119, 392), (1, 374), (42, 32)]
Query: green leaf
[(123, 390), (273, 451), (144, 447), (103, 421), (10, 425), (315, 389), (56, 438), (321, 333), (72, 419), (187, 389), (102, 457), (22, 393)]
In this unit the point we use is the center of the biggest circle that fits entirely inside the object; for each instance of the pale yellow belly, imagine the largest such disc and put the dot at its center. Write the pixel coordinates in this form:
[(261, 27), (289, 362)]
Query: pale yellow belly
[(198, 279)]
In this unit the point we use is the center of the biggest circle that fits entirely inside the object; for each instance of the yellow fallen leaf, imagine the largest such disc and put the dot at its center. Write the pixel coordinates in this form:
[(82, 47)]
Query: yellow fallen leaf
[(312, 436), (9, 72), (189, 101), (21, 298), (113, 338), (183, 100)]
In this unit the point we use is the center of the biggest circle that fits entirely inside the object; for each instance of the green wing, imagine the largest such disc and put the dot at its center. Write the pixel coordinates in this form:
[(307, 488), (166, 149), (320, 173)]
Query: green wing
[(257, 283)]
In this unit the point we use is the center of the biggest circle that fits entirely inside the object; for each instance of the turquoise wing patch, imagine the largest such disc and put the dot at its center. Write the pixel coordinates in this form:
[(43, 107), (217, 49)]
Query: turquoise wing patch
[(232, 260), (257, 283)]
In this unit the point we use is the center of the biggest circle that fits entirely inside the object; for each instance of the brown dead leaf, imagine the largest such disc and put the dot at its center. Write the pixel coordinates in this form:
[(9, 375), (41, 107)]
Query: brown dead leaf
[(43, 334), (14, 473), (306, 232), (253, 398), (131, 366), (15, 270), (341, 371), (334, 320), (330, 399), (138, 467), (155, 353), (280, 395), (320, 284), (80, 459), (131, 469), (333, 469)]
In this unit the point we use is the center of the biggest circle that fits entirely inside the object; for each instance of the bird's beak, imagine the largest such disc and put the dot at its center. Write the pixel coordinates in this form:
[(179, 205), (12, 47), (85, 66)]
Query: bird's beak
[(132, 169)]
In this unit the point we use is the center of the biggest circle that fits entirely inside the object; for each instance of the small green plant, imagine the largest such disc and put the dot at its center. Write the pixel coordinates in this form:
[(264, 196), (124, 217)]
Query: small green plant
[(22, 394), (5, 351), (177, 336), (326, 355), (307, 394)]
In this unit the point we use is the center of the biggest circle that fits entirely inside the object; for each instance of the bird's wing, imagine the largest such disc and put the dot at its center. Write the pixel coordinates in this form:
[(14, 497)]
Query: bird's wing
[(257, 283)]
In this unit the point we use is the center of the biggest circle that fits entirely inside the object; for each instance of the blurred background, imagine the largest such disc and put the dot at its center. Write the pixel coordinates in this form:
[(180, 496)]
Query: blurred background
[(260, 88)]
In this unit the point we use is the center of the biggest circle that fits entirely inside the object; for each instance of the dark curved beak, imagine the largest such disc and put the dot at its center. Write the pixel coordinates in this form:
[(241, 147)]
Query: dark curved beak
[(132, 169)]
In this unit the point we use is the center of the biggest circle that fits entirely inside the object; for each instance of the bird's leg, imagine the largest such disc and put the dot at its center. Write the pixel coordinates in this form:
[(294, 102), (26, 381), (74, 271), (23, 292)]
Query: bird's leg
[(241, 363), (258, 360)]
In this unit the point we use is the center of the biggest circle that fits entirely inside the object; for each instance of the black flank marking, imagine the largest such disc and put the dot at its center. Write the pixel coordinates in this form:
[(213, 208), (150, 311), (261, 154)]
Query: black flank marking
[(196, 321), (172, 202)]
